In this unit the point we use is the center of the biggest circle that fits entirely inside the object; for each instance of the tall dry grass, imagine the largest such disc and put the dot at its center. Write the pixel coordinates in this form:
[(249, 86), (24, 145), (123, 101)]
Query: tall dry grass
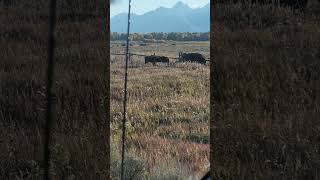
[(168, 113), (80, 136), (265, 122)]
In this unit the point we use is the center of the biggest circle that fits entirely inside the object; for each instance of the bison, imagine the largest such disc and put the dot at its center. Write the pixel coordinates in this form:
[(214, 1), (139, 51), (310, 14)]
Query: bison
[(154, 59), (192, 57)]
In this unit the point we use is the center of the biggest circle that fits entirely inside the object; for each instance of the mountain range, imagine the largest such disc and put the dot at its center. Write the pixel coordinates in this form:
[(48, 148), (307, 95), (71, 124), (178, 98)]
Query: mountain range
[(179, 18)]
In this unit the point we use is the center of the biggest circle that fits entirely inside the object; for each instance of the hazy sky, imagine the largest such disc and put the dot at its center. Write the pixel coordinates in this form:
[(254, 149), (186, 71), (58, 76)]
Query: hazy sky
[(143, 6)]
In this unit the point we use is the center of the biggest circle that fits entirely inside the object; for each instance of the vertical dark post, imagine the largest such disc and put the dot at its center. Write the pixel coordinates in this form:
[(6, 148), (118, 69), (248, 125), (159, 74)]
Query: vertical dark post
[(215, 99), (125, 97), (50, 94)]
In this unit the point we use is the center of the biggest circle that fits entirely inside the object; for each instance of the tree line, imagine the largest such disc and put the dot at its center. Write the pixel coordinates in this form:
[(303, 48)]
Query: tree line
[(173, 36)]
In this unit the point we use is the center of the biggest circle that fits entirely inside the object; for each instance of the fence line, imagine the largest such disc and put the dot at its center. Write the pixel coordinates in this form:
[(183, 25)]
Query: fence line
[(143, 55)]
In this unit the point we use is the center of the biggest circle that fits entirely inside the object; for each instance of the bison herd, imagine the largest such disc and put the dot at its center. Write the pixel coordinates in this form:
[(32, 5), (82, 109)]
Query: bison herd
[(183, 57)]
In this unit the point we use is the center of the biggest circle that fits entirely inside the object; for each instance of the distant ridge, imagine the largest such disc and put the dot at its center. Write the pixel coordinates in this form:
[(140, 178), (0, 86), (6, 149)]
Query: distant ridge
[(179, 18)]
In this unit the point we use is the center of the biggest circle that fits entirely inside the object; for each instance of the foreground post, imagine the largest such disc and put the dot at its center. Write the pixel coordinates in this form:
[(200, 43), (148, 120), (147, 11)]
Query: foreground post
[(125, 98), (50, 93)]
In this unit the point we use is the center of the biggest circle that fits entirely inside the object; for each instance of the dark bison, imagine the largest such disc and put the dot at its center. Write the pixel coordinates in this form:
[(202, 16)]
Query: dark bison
[(192, 57), (154, 59), (293, 4)]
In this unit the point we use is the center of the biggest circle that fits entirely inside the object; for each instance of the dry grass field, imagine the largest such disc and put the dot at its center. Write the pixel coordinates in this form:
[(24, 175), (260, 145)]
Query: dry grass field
[(81, 56), (266, 120), (168, 112)]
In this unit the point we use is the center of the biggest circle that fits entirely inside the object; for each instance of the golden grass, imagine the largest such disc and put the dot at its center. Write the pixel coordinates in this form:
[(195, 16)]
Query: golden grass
[(168, 111)]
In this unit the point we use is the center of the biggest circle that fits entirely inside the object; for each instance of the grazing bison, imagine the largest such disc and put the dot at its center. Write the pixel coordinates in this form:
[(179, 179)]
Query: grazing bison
[(192, 57), (154, 59)]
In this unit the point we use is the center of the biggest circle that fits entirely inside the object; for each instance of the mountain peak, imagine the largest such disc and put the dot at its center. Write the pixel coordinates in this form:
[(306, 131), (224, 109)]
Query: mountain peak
[(180, 5), (179, 18)]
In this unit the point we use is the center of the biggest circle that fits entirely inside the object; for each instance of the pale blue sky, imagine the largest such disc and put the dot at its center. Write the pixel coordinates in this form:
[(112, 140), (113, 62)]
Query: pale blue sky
[(143, 6)]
